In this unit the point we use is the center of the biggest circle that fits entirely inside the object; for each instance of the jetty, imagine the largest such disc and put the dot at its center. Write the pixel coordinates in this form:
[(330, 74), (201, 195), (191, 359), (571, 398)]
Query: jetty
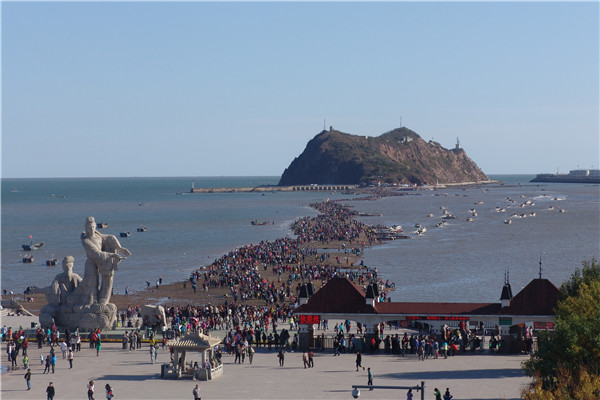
[(264, 189)]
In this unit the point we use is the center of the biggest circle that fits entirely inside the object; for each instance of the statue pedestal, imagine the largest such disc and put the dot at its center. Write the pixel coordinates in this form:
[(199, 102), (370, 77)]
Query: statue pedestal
[(86, 318)]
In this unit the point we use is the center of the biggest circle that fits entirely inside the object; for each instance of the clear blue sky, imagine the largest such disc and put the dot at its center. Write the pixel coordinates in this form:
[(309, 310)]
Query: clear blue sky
[(210, 89)]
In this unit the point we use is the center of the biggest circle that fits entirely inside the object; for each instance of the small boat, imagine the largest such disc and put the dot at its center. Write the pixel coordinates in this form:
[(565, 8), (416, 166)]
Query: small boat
[(507, 221), (51, 261), (469, 219), (32, 247), (448, 216), (255, 222), (429, 215), (478, 202), (142, 229), (396, 228), (28, 259), (125, 234), (102, 225)]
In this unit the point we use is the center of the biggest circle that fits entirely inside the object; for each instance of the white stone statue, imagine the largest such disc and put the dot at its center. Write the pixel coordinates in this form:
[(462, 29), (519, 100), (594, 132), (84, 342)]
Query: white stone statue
[(64, 283), (84, 303), (102, 260)]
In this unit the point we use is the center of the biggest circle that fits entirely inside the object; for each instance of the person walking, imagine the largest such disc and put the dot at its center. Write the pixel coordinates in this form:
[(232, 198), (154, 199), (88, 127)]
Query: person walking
[(250, 354), (90, 392), (98, 347), (47, 368), (109, 392), (70, 357), (370, 377), (53, 361), (438, 395), (447, 395), (152, 350), (409, 395), (305, 359), (28, 378), (196, 393), (311, 362), (359, 361), (50, 391), (281, 356), (77, 341)]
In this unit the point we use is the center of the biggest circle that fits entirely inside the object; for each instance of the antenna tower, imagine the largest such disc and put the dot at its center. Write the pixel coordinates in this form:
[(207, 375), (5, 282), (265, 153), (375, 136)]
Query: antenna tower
[(540, 266)]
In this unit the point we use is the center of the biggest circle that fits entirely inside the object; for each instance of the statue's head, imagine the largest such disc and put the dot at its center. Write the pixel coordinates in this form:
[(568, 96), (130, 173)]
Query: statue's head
[(90, 225), (67, 263)]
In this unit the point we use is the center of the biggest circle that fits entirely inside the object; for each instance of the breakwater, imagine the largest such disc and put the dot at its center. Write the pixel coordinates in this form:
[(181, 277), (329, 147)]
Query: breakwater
[(295, 188)]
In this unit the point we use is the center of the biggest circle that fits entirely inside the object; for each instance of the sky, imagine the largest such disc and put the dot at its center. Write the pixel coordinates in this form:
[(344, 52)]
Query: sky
[(134, 89)]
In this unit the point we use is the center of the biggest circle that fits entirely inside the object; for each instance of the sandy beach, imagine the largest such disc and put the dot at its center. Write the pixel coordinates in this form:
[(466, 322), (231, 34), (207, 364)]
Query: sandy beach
[(132, 376)]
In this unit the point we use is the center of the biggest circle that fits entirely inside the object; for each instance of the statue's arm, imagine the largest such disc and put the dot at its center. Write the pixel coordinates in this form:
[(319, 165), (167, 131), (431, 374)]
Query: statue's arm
[(112, 244)]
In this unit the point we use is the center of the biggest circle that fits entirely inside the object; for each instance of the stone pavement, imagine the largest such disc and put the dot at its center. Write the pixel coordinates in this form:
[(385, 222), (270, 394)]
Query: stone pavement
[(132, 376)]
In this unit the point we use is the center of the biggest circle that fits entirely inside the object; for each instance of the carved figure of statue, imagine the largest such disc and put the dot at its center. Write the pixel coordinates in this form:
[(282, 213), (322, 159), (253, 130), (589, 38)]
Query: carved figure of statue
[(64, 283), (102, 260)]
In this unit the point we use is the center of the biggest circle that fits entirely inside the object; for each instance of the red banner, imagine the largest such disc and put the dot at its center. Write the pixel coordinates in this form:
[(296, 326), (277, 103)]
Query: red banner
[(543, 325), (309, 319)]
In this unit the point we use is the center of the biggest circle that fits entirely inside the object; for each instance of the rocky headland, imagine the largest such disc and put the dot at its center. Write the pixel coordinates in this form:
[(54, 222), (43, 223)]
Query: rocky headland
[(399, 156)]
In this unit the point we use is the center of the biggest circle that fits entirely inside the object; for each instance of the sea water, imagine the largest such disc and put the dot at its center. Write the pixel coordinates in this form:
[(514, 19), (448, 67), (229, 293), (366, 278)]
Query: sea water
[(460, 261)]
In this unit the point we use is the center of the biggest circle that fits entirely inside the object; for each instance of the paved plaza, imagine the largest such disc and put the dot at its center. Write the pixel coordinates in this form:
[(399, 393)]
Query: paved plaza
[(132, 376)]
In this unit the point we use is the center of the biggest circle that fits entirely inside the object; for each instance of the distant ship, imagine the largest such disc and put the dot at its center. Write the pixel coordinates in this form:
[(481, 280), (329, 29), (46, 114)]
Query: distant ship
[(574, 176)]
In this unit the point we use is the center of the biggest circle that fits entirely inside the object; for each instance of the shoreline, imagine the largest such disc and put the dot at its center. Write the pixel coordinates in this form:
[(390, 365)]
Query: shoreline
[(181, 292)]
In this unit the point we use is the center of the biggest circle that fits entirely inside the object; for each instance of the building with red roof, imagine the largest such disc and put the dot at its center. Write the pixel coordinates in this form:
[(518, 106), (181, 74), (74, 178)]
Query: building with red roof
[(341, 299)]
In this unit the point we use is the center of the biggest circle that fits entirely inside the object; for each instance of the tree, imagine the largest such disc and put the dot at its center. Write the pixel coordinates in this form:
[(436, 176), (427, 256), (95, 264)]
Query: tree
[(589, 273), (567, 362)]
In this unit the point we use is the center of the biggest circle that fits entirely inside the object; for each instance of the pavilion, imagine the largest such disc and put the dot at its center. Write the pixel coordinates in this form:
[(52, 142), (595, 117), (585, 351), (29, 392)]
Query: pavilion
[(208, 367)]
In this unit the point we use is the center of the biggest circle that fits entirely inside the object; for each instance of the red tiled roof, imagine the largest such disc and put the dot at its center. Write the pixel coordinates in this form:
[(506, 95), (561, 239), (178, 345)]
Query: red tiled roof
[(342, 296), (539, 297), (438, 308), (339, 295)]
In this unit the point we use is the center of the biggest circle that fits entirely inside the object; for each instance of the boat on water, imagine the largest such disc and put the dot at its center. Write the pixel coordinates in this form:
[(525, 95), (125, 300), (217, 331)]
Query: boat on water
[(448, 216), (125, 234), (102, 225), (142, 229), (51, 261), (32, 246), (28, 259), (574, 176), (396, 228), (255, 222)]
